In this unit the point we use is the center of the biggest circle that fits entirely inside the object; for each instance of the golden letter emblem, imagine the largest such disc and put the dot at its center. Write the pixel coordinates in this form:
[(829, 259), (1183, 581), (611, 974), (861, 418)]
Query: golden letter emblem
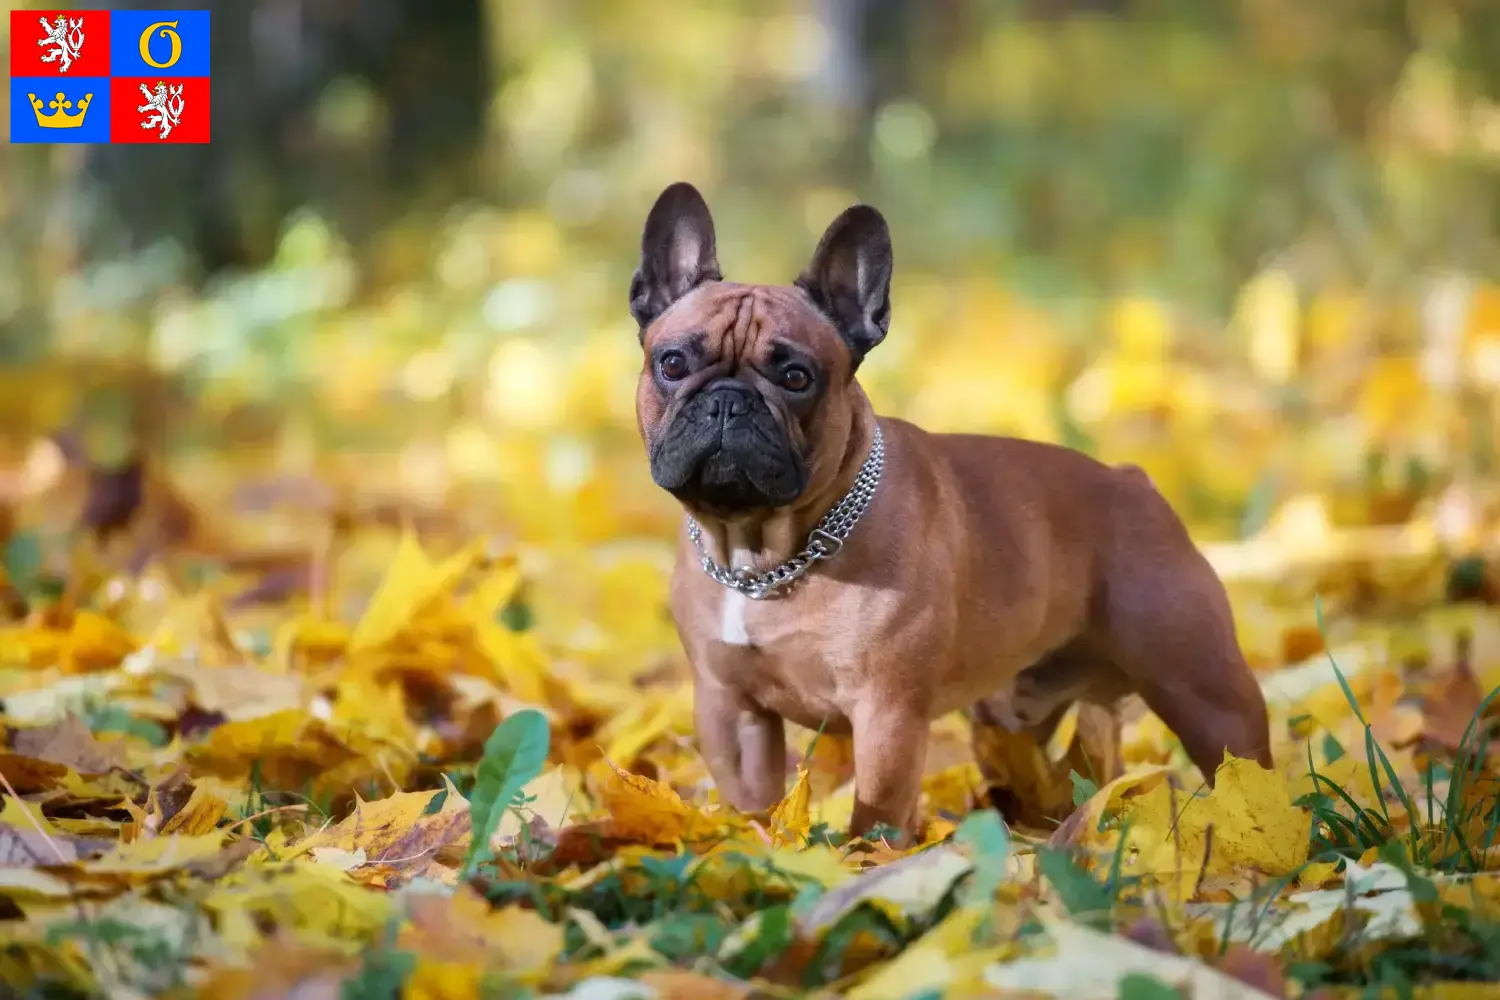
[(168, 30)]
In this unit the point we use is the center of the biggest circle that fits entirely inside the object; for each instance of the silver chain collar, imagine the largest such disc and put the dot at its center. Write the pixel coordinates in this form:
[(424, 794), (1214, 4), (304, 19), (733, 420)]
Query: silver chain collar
[(824, 542)]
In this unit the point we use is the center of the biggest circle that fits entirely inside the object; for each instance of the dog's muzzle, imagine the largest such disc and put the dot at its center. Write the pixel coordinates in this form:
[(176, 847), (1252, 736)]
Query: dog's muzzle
[(725, 451)]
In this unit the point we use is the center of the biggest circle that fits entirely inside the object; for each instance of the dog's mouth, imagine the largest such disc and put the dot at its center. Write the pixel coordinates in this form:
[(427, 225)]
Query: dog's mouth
[(729, 482), (725, 460)]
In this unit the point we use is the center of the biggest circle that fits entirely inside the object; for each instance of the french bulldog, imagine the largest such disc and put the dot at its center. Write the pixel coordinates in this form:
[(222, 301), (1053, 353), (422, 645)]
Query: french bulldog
[(849, 571)]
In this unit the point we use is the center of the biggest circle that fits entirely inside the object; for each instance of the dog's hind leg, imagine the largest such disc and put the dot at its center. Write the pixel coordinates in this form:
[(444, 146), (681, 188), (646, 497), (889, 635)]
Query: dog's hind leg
[(1166, 622)]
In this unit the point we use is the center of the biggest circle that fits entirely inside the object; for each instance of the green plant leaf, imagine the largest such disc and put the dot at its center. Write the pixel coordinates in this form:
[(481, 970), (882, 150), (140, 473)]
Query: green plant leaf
[(984, 833), (1083, 897), (1140, 986), (22, 559), (772, 935), (515, 753), (1083, 788)]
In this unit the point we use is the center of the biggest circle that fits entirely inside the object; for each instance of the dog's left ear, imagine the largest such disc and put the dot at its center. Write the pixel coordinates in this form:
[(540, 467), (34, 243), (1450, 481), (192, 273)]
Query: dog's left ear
[(849, 278), (677, 253)]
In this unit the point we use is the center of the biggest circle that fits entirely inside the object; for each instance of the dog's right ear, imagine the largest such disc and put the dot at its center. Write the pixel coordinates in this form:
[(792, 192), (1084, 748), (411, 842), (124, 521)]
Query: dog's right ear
[(677, 253)]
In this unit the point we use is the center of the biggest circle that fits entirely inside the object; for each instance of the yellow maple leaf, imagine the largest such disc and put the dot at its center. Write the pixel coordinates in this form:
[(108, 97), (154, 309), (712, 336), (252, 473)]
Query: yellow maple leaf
[(1386, 398), (1350, 773), (365, 711), (411, 582), (318, 640), (954, 789), (1268, 315), (1254, 824), (95, 643), (290, 747), (24, 815), (1142, 329), (942, 960), (395, 828), (790, 822), (515, 657), (646, 811), (495, 589), (200, 814), (1084, 826), (819, 863), (148, 856), (434, 979), (641, 723), (316, 903)]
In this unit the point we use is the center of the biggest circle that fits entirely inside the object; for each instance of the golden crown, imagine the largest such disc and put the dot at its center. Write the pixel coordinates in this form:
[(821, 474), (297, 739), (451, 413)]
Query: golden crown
[(60, 117)]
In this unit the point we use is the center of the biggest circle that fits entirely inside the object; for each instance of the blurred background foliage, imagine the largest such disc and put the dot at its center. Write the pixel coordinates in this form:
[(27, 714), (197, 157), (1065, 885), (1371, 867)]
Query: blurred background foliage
[(1250, 245)]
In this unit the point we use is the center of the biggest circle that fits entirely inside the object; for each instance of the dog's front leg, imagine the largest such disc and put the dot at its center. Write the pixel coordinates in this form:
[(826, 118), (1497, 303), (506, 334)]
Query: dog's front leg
[(745, 747), (890, 748)]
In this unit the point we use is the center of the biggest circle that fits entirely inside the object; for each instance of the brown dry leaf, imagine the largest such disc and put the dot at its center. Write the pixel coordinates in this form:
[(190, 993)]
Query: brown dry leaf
[(1253, 968), (1032, 783), (22, 847), (464, 930), (28, 774), (243, 693), (69, 742), (176, 805), (280, 969), (1450, 708), (677, 984)]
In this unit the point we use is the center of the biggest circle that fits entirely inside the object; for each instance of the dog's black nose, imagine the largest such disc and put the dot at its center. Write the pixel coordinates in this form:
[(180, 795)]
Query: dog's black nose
[(729, 398)]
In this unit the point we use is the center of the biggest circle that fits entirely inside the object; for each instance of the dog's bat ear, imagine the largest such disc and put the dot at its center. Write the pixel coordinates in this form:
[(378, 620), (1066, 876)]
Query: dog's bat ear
[(677, 253), (849, 278)]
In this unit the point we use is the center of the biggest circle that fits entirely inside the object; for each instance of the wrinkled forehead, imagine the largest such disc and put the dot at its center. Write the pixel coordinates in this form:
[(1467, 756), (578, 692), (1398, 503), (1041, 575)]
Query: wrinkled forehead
[(729, 318)]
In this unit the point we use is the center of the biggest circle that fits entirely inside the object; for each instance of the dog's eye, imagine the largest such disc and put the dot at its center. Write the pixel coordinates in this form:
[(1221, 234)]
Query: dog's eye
[(796, 378), (673, 365)]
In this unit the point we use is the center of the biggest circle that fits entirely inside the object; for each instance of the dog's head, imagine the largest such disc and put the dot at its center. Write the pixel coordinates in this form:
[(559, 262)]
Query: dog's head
[(747, 394)]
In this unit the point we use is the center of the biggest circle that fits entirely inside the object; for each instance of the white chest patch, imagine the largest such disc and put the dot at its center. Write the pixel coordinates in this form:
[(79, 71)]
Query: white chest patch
[(732, 619)]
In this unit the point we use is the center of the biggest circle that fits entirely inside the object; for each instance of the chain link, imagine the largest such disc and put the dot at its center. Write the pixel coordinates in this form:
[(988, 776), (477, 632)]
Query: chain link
[(824, 542)]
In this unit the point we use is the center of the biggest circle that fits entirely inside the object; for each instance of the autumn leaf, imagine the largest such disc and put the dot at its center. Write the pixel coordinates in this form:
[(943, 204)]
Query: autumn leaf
[(412, 581), (335, 583), (149, 857), (398, 830), (289, 747), (70, 743), (790, 821), (463, 929), (1254, 828), (317, 904)]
